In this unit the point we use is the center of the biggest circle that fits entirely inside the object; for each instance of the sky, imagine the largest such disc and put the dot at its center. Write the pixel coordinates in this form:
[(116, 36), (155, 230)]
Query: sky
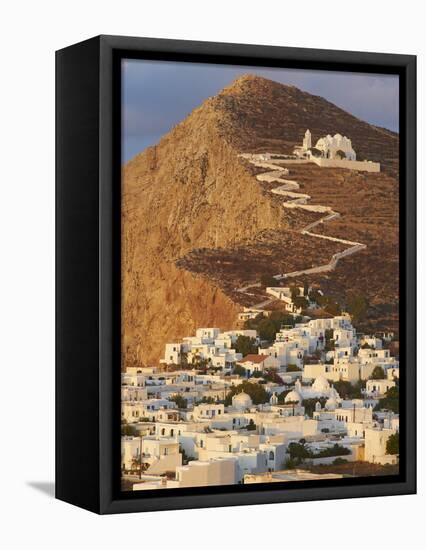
[(157, 95)]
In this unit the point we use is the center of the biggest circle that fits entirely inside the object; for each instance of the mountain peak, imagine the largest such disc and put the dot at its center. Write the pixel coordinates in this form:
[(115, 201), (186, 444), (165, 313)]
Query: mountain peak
[(253, 83), (257, 114)]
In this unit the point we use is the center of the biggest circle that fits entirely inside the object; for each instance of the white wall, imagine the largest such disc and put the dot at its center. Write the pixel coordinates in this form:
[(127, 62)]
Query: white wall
[(30, 32), (351, 164)]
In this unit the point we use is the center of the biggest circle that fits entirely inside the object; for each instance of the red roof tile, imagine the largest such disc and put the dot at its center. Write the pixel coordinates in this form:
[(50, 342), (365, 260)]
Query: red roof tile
[(253, 358)]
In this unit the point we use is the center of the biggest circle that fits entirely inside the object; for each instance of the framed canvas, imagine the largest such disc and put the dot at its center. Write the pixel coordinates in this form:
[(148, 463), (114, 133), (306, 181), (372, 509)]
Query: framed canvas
[(235, 289)]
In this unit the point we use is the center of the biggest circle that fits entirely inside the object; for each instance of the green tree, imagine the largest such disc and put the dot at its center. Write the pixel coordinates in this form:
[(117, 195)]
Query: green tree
[(245, 345), (209, 400), (257, 374), (309, 405), (357, 305), (240, 371), (280, 318), (290, 464), (336, 450), (346, 390), (315, 296), (128, 429), (251, 425), (180, 401), (291, 367), (298, 452), (390, 402), (337, 461), (271, 375), (267, 330), (301, 301), (343, 388), (294, 292), (253, 324), (377, 374), (392, 444)]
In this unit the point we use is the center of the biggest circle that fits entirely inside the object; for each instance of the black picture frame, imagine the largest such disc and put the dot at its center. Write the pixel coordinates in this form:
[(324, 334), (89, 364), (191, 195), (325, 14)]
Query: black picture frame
[(88, 272)]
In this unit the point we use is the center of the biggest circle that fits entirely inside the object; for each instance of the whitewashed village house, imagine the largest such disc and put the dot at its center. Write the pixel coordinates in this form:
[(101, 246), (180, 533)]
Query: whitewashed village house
[(205, 442)]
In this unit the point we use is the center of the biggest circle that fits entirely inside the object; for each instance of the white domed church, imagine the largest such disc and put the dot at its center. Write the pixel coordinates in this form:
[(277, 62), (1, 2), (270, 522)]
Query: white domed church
[(336, 146), (330, 147), (320, 388), (241, 401)]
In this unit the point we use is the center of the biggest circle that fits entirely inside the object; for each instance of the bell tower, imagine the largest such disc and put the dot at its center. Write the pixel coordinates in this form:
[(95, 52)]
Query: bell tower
[(307, 140)]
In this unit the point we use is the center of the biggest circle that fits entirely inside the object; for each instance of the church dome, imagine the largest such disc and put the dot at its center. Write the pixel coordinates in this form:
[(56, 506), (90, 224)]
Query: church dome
[(242, 401), (334, 394), (321, 384), (293, 396), (331, 404)]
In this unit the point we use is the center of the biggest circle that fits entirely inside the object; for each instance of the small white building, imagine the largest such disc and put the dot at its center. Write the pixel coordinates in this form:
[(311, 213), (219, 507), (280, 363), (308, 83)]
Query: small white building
[(378, 357), (378, 388), (258, 363), (373, 341), (173, 353), (160, 454), (285, 295), (133, 378), (205, 411), (249, 313), (290, 352), (216, 471), (130, 453), (375, 446), (133, 393), (132, 411)]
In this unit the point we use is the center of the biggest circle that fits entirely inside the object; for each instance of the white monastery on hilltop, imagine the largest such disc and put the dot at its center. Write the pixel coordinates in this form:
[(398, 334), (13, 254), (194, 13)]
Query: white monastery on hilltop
[(332, 151), (336, 147), (209, 416)]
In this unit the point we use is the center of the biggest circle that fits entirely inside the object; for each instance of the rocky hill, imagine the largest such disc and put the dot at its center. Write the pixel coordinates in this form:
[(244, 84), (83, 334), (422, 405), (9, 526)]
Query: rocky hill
[(191, 197), (261, 115)]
